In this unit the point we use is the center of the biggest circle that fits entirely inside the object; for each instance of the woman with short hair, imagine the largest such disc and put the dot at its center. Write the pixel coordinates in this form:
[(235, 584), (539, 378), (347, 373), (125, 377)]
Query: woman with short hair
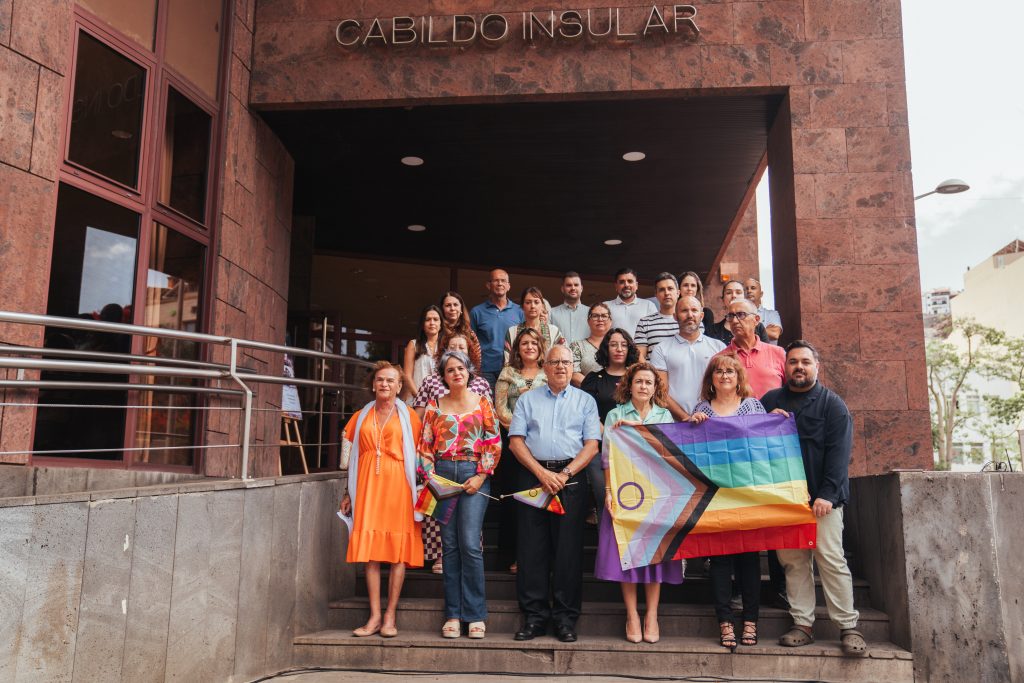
[(379, 450), (726, 393), (460, 442)]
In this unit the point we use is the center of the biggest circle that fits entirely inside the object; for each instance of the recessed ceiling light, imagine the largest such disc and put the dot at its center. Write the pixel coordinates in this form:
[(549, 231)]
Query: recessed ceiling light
[(412, 161), (121, 134), (634, 156), (417, 228), (613, 243)]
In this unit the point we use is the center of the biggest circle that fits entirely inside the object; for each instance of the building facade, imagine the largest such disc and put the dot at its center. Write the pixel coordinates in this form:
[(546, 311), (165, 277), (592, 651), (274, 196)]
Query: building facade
[(154, 148)]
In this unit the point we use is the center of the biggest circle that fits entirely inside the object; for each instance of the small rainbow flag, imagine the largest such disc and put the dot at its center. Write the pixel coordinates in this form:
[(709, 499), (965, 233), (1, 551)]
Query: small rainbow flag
[(539, 498), (438, 498), (728, 485)]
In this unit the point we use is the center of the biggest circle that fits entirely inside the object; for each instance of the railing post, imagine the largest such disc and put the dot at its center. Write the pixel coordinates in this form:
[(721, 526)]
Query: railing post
[(246, 408)]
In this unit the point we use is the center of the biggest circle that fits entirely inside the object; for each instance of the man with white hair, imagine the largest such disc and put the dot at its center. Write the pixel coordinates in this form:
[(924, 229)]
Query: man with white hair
[(765, 364)]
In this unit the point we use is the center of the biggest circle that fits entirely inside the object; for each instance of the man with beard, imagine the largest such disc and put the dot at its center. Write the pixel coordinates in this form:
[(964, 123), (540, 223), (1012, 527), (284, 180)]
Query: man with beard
[(682, 359), (627, 308), (826, 439)]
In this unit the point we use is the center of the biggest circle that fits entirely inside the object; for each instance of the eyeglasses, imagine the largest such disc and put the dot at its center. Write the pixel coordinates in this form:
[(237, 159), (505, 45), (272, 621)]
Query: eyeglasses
[(563, 363), (724, 372), (599, 316), (738, 315)]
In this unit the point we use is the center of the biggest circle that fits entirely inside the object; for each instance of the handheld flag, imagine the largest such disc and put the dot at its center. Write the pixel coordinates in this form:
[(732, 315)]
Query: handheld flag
[(728, 485), (438, 498), (539, 498)]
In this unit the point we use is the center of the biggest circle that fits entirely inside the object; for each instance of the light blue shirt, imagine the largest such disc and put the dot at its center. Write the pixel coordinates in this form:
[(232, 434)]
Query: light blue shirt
[(571, 321), (491, 324), (555, 425), (627, 411)]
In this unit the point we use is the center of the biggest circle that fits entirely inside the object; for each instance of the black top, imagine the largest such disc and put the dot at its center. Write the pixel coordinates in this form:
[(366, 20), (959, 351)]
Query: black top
[(826, 438), (601, 385), (721, 331)]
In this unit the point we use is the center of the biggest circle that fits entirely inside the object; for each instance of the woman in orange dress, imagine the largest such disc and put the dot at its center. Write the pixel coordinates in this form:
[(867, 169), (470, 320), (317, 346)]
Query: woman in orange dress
[(380, 441)]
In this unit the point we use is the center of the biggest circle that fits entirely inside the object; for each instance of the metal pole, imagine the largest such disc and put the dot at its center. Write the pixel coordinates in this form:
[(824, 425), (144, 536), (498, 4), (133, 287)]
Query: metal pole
[(247, 414), (323, 375)]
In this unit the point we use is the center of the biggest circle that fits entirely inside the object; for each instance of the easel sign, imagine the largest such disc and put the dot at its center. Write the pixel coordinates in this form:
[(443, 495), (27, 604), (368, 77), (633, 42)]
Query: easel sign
[(290, 406)]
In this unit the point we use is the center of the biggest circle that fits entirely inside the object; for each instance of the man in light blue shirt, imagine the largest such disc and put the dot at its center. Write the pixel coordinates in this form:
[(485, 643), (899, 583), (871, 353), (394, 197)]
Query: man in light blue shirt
[(554, 434), (491, 320), (571, 316), (770, 318)]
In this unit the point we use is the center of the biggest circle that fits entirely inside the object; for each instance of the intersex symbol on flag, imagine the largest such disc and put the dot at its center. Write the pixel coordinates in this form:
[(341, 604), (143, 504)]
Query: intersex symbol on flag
[(539, 498), (728, 485)]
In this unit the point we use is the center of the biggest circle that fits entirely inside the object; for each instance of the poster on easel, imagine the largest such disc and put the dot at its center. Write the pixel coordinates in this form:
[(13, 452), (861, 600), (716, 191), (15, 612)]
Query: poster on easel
[(290, 406)]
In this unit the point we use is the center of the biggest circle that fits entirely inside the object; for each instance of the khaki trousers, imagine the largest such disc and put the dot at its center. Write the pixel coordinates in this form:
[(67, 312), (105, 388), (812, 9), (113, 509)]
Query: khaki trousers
[(836, 580)]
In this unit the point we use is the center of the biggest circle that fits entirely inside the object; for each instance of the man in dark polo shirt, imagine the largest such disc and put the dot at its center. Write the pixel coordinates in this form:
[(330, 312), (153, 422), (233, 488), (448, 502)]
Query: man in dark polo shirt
[(825, 429)]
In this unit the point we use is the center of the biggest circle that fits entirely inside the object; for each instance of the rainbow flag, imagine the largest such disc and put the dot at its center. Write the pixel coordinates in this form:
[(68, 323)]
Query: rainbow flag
[(728, 485), (539, 498), (438, 498)]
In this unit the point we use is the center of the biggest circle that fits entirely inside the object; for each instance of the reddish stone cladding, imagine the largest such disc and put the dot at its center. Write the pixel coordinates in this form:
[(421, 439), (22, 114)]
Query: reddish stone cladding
[(251, 290), (33, 64), (250, 283), (850, 243)]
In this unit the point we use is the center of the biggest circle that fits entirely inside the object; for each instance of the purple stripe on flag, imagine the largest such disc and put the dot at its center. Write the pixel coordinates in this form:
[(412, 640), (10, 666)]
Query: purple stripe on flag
[(742, 427)]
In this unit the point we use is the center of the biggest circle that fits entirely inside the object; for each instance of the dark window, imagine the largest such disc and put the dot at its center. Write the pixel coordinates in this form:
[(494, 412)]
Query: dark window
[(174, 291), (106, 115), (92, 276), (185, 156)]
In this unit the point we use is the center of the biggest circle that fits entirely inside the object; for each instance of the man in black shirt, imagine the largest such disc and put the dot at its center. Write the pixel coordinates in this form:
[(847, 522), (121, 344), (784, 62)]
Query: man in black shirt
[(825, 429)]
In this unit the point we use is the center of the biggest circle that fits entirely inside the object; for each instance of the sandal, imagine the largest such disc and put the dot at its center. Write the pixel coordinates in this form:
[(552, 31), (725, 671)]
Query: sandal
[(797, 636), (728, 636), (853, 642), (749, 637), (477, 630), (452, 629)]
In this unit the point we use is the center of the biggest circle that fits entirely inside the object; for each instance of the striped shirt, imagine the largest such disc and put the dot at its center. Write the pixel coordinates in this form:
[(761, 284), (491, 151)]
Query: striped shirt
[(655, 327)]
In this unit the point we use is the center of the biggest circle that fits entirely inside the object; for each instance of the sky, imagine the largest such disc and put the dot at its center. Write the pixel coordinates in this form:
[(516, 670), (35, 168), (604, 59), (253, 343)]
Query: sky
[(965, 70)]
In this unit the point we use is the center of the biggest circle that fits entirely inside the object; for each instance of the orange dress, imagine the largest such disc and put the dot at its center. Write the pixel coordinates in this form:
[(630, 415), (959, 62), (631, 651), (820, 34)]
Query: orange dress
[(383, 528)]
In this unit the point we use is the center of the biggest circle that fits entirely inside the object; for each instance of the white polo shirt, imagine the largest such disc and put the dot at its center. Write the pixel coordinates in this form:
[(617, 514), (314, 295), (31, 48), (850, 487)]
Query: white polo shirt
[(685, 364), (628, 315)]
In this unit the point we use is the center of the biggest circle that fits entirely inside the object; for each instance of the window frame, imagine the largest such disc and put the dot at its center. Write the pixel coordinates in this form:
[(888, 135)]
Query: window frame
[(143, 198)]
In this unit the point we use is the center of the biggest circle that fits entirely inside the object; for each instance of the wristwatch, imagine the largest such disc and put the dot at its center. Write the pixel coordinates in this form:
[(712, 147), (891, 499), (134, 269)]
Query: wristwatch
[(566, 471)]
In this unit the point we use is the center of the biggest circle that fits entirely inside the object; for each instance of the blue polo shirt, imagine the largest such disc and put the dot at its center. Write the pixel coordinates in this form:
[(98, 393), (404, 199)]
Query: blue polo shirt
[(491, 325), (555, 425)]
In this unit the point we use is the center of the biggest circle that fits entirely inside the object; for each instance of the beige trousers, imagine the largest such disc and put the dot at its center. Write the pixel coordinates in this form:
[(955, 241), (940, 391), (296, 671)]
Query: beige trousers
[(836, 580)]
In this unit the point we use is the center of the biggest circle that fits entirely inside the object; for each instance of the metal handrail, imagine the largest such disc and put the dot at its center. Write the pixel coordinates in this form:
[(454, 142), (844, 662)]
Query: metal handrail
[(89, 362)]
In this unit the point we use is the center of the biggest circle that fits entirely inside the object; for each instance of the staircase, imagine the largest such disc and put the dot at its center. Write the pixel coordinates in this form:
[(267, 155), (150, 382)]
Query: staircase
[(688, 645)]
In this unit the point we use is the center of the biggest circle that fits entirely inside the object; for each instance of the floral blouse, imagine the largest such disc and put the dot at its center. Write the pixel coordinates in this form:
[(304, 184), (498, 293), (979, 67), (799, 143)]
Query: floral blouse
[(509, 388), (474, 433)]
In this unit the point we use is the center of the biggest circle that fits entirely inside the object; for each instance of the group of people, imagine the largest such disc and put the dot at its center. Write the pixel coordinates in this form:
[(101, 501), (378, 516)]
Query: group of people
[(508, 397)]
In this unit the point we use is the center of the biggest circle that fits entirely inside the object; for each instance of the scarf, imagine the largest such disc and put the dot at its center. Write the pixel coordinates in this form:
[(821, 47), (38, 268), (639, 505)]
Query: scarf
[(408, 458)]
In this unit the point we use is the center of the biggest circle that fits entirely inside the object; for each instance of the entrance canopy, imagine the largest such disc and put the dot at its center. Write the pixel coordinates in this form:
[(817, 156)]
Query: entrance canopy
[(532, 186)]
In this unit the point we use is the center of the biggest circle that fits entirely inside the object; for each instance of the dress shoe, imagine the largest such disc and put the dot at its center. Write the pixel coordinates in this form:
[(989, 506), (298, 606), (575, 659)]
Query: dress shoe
[(566, 633), (530, 631)]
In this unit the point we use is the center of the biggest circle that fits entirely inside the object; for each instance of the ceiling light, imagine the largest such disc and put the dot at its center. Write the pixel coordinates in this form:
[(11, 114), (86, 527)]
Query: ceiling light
[(634, 156), (417, 228), (613, 243), (121, 134), (412, 161)]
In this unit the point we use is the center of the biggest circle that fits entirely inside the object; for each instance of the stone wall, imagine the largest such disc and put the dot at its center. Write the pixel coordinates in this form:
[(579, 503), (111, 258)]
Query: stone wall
[(206, 581), (842, 203), (34, 59), (942, 554), (251, 282)]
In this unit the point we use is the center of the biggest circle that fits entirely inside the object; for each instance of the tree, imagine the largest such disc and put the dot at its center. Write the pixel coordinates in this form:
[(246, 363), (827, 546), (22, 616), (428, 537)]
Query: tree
[(952, 369)]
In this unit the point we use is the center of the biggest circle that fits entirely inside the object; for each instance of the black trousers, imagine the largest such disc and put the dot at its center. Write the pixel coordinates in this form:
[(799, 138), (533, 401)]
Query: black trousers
[(506, 478), (748, 575), (549, 583)]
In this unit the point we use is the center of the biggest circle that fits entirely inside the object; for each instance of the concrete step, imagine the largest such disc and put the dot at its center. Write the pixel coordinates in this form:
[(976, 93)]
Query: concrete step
[(673, 656), (603, 619), (501, 585)]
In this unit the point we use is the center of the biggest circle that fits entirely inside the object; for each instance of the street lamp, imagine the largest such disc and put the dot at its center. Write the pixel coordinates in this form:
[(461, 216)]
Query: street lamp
[(951, 186)]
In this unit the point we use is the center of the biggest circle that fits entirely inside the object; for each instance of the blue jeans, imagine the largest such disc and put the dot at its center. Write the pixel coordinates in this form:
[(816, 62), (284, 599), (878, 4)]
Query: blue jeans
[(463, 548)]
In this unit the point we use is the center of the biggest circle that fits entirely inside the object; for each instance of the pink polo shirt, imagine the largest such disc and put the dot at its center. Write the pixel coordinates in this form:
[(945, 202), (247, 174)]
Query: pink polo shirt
[(765, 365)]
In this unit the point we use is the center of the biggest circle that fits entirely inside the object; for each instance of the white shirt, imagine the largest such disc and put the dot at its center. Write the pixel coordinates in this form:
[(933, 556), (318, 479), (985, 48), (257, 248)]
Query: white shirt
[(571, 321), (685, 364), (770, 316), (626, 316)]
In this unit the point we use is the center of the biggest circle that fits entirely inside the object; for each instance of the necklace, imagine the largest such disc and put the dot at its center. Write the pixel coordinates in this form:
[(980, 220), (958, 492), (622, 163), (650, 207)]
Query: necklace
[(379, 429)]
